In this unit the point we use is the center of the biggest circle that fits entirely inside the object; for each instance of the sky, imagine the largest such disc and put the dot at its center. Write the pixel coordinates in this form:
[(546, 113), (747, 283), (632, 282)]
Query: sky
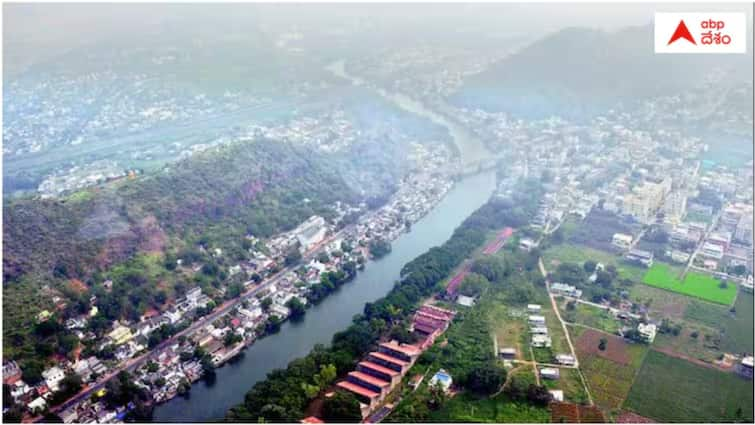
[(36, 31)]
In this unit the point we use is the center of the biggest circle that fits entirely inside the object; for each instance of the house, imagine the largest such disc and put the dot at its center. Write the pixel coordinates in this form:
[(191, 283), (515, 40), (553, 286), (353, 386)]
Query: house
[(557, 395), (465, 300), (549, 373), (539, 330), (640, 256), (120, 335), (713, 251), (745, 368), (622, 240), (533, 308), (535, 319), (53, 376), (11, 372), (566, 359), (507, 353), (527, 244), (443, 379), (37, 405), (566, 290), (540, 341), (647, 331)]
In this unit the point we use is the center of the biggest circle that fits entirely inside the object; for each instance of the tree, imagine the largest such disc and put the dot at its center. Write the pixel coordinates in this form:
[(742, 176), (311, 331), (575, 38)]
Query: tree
[(323, 257), (486, 379), (602, 344), (538, 394), (379, 248), (589, 266), (273, 324), (266, 303), (342, 407), (293, 256), (473, 285), (298, 309)]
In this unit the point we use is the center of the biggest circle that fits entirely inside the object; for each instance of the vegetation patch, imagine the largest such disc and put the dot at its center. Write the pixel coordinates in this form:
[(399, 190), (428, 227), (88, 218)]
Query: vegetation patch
[(588, 315), (614, 348), (694, 284), (673, 390), (737, 334)]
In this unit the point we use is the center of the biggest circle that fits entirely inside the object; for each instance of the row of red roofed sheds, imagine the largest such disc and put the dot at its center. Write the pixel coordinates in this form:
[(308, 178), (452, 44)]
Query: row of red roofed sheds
[(379, 373)]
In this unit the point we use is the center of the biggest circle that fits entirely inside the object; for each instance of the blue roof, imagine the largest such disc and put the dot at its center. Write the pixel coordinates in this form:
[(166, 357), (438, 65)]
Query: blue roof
[(442, 376)]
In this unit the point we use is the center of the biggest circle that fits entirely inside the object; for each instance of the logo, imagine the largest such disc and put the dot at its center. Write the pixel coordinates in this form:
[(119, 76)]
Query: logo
[(700, 33), (682, 32)]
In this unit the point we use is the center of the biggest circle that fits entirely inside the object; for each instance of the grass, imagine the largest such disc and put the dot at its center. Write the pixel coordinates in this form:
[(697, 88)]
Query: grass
[(673, 390), (593, 317), (737, 332), (706, 313), (661, 303), (694, 284), (573, 253), (571, 384), (500, 409), (609, 381)]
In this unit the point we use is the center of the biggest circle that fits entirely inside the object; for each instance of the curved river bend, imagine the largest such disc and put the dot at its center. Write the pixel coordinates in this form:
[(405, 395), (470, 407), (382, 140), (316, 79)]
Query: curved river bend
[(210, 402)]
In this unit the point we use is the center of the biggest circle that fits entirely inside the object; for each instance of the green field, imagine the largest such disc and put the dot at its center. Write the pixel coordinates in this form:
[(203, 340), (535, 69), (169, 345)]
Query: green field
[(500, 409), (572, 253), (593, 317), (695, 284), (673, 390), (737, 334), (571, 384)]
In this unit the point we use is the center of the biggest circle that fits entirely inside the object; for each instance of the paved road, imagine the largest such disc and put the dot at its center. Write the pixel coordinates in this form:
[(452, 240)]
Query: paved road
[(713, 224)]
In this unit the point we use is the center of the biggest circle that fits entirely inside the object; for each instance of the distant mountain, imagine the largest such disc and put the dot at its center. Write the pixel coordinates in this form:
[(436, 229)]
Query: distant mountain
[(577, 71)]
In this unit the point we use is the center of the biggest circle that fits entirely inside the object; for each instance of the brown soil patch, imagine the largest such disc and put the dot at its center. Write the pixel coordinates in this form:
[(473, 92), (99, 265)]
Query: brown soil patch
[(616, 348), (632, 418), (77, 285), (573, 413)]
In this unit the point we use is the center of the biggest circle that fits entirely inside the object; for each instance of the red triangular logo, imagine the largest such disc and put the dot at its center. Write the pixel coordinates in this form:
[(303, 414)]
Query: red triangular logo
[(682, 32)]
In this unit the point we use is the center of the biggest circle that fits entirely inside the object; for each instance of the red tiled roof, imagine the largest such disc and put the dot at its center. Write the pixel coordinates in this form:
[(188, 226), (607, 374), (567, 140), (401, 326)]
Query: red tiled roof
[(448, 314), (424, 328), (346, 385), (388, 358), (312, 420), (435, 323), (430, 315), (369, 379), (376, 367), (409, 350)]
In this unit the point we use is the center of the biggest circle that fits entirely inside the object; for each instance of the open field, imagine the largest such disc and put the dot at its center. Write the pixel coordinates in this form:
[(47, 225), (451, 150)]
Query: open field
[(466, 408), (694, 284), (591, 316), (570, 383), (661, 303), (705, 346), (673, 390), (609, 373), (574, 253), (737, 335)]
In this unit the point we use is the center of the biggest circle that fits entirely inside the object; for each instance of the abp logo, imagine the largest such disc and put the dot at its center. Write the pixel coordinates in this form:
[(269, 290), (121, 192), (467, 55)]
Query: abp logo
[(700, 33)]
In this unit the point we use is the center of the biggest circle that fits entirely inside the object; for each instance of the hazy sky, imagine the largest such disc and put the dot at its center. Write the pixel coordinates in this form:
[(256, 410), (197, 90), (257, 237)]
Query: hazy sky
[(32, 32)]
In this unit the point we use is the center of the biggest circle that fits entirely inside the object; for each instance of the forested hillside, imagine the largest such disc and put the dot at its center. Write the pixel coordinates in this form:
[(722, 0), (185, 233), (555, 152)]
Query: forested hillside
[(217, 196)]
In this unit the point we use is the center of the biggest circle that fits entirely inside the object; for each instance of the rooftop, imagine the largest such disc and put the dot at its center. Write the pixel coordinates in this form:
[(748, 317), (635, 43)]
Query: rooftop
[(378, 368), (346, 385), (369, 379)]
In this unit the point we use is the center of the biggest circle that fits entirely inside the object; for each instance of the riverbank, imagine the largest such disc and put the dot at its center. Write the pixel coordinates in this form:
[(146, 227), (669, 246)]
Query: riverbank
[(333, 314)]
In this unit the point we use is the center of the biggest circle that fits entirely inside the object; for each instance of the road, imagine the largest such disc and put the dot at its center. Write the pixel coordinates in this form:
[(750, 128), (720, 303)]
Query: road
[(134, 363), (702, 242)]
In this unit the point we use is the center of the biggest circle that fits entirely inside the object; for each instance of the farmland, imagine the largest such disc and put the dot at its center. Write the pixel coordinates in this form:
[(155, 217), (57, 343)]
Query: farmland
[(738, 334), (591, 316), (466, 408), (575, 253), (571, 384), (674, 390), (609, 373), (695, 284)]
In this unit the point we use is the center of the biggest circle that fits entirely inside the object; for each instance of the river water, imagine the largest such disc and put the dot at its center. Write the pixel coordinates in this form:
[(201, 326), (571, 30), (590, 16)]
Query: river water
[(334, 313)]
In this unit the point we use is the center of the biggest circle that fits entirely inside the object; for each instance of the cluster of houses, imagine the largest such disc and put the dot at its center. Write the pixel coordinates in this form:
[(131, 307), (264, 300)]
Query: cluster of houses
[(377, 375), (539, 337)]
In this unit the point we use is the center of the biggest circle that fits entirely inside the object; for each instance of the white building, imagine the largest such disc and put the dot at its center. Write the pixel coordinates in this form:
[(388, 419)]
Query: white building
[(647, 331), (53, 376), (622, 240)]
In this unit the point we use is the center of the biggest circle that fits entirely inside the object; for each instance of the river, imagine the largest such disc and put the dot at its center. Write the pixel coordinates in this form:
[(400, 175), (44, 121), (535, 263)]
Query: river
[(210, 402)]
